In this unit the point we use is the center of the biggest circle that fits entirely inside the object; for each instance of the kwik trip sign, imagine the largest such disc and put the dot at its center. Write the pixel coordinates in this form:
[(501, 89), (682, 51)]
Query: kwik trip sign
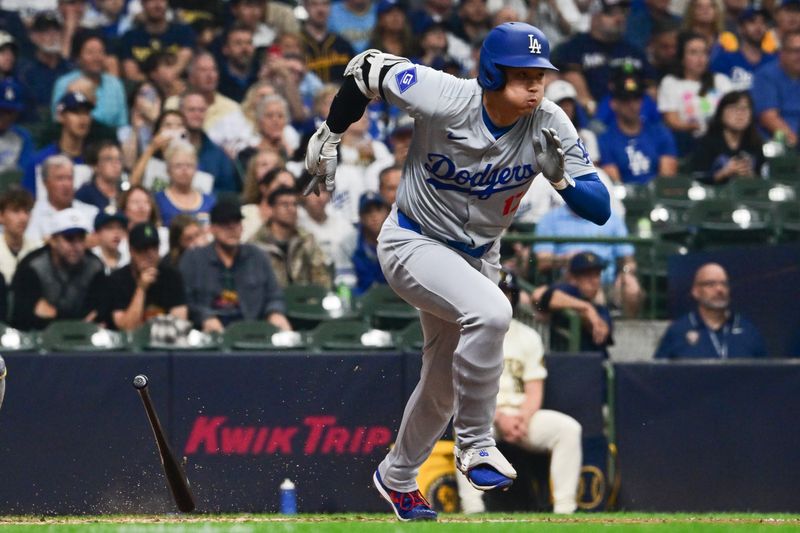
[(316, 435)]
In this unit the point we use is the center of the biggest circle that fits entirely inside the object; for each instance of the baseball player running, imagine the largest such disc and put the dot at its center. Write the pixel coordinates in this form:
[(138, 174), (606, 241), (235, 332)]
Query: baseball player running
[(477, 146)]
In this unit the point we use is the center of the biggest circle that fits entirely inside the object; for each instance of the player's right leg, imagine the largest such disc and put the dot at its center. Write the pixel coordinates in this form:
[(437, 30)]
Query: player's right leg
[(425, 419)]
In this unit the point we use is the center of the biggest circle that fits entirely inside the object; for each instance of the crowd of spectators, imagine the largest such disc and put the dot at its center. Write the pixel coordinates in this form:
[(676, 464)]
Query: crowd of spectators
[(158, 144)]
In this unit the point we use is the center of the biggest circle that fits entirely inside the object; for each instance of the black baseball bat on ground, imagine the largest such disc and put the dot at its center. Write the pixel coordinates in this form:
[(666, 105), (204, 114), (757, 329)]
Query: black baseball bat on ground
[(176, 479)]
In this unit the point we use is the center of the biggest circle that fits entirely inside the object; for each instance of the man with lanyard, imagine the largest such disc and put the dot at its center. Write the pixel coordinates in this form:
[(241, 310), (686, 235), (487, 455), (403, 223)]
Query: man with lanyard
[(712, 331)]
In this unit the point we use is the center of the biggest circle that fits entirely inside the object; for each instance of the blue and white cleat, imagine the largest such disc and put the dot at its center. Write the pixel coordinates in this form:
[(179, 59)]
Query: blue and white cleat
[(408, 506), (485, 468)]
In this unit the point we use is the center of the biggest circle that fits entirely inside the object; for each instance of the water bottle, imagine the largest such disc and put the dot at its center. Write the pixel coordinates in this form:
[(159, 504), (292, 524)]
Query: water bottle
[(344, 293), (344, 289), (288, 497)]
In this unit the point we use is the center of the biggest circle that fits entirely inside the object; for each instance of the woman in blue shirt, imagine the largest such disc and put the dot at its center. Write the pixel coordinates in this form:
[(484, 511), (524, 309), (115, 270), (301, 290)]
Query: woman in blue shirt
[(180, 196)]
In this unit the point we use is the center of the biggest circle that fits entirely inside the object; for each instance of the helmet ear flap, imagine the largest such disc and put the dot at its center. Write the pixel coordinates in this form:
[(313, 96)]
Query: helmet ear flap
[(491, 77)]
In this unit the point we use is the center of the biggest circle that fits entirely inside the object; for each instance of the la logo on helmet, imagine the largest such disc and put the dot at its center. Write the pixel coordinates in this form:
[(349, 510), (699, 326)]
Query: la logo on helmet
[(534, 45)]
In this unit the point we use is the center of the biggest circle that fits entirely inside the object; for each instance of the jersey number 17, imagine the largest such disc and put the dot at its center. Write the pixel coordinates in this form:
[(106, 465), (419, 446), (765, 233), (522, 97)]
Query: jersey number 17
[(512, 203)]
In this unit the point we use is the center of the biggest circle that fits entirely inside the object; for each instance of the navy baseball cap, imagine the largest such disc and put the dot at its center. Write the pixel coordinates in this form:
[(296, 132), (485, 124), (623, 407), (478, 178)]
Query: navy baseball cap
[(751, 12), (790, 4), (46, 20), (74, 101), (104, 218), (586, 262), (225, 212), (144, 236), (369, 199), (627, 87), (11, 95), (384, 6)]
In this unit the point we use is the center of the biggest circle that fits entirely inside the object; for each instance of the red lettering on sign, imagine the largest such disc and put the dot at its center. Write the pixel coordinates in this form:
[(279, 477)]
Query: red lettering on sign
[(261, 438), (357, 439), (211, 436), (377, 437), (237, 440), (204, 432), (317, 425), (335, 440), (281, 440)]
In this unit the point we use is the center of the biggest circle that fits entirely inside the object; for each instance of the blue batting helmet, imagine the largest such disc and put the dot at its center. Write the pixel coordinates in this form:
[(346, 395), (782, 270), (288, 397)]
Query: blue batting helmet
[(512, 44)]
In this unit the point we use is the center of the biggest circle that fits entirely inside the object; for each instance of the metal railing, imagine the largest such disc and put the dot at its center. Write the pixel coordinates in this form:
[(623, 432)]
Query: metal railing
[(636, 241)]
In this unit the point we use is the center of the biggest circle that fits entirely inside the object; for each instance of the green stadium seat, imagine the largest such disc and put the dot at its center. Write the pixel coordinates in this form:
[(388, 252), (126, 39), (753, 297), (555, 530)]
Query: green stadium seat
[(785, 168), (384, 309), (752, 191), (304, 306), (343, 334), (140, 340), (638, 201), (668, 223), (79, 336), (10, 178), (680, 190), (255, 335), (726, 222), (14, 340), (787, 221)]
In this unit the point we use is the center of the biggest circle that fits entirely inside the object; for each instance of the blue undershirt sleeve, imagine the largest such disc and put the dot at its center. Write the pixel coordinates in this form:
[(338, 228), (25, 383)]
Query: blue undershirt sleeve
[(588, 198)]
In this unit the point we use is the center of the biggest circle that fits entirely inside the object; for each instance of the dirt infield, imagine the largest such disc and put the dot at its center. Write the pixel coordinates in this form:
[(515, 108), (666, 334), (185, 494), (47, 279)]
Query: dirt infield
[(595, 519)]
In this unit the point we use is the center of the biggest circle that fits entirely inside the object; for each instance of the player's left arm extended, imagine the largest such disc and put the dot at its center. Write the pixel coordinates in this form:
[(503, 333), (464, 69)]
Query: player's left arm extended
[(585, 195), (363, 79)]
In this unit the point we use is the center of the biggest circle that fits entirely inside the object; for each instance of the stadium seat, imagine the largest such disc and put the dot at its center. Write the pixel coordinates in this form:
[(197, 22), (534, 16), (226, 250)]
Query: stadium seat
[(785, 168), (668, 223), (680, 190), (10, 178), (304, 306), (344, 334), (638, 202), (757, 191), (723, 222), (14, 340), (141, 340), (384, 309), (254, 335), (80, 336), (787, 221)]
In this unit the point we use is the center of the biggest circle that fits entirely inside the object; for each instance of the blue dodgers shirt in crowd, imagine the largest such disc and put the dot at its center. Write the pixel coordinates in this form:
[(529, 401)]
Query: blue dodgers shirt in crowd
[(690, 337), (637, 156), (776, 90), (596, 60), (737, 68)]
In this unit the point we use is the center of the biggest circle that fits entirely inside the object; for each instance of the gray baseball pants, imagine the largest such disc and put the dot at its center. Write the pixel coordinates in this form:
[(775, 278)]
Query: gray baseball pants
[(464, 317)]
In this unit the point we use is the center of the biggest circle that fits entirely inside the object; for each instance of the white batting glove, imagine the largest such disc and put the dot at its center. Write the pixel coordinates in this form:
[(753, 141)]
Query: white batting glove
[(551, 159), (321, 158)]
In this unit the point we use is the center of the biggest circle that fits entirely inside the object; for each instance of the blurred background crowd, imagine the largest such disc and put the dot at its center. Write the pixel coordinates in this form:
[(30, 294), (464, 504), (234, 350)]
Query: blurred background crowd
[(151, 150)]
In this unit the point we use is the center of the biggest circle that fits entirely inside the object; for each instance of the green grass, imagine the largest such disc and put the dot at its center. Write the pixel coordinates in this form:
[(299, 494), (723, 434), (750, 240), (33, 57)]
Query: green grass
[(489, 523)]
